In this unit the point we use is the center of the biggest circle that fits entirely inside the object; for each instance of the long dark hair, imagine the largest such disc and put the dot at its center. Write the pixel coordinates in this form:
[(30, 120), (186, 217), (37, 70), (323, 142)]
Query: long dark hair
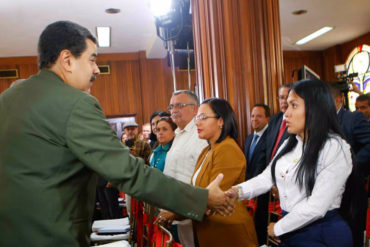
[(320, 121), (223, 110)]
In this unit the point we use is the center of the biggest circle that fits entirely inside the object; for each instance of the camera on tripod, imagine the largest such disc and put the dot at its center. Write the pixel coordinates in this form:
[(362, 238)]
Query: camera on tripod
[(344, 78)]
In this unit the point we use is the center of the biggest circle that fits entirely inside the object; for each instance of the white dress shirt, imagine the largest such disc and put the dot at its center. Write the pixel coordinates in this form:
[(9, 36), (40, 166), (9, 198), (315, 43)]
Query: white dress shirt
[(334, 167), (184, 152)]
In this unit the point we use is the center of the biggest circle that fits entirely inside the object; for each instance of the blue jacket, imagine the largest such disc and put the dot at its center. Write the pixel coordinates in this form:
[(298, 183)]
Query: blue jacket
[(159, 156)]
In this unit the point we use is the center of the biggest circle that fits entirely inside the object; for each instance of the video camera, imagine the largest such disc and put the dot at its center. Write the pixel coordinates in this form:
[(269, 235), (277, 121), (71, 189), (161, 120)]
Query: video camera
[(344, 78)]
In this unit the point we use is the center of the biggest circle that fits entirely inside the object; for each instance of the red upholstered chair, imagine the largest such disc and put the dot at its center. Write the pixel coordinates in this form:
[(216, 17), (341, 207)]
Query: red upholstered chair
[(251, 206), (136, 222), (163, 237)]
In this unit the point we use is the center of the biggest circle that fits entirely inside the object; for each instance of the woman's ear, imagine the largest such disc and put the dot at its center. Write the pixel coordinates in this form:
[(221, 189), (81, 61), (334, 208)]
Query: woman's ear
[(220, 123)]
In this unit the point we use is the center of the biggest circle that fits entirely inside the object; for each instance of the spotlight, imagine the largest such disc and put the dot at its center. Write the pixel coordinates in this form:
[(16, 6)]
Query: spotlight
[(160, 7), (168, 18)]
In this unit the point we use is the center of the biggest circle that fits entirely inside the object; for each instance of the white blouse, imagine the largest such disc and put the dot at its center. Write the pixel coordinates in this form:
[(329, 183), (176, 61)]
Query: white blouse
[(334, 167)]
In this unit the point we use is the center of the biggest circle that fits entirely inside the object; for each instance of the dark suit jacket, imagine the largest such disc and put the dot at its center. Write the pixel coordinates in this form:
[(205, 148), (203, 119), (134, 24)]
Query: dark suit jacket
[(255, 166), (272, 133), (257, 163), (54, 139), (357, 132)]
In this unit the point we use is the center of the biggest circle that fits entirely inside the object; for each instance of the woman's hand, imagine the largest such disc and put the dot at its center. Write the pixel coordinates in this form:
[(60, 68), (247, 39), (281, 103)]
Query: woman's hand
[(165, 218), (233, 193), (271, 233)]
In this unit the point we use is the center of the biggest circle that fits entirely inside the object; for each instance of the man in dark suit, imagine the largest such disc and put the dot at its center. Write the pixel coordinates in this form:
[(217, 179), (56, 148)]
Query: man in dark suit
[(255, 148), (356, 130), (363, 105), (54, 139), (255, 153), (277, 132)]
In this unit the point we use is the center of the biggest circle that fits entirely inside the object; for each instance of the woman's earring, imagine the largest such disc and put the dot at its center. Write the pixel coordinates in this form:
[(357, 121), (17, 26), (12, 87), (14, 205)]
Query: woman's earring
[(221, 126)]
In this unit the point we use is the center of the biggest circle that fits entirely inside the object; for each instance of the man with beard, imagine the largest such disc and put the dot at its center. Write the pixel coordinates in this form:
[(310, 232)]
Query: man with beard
[(138, 148)]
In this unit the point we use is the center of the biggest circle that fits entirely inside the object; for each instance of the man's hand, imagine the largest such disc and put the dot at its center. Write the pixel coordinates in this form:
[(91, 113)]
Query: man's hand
[(218, 201), (165, 218), (355, 88)]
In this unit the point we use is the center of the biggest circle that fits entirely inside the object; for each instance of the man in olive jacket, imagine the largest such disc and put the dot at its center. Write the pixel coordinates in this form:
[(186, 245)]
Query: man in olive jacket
[(54, 139)]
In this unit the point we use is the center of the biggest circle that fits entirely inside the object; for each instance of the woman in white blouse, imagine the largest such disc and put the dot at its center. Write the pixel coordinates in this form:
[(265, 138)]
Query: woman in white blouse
[(310, 171)]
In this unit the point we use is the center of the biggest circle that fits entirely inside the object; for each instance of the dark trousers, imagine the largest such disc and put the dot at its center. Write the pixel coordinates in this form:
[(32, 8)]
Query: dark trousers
[(261, 218), (330, 231), (108, 200)]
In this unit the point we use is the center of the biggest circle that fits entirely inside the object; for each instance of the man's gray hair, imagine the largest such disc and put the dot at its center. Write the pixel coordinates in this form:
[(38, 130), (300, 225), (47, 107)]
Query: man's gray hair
[(192, 96)]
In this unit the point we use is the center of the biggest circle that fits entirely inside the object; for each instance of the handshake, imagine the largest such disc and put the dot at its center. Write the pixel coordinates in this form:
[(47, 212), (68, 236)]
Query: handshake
[(221, 202)]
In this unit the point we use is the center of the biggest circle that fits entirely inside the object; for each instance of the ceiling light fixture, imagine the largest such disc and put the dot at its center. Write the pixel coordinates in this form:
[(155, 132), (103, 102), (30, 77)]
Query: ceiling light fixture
[(314, 35), (103, 34), (112, 11), (299, 12)]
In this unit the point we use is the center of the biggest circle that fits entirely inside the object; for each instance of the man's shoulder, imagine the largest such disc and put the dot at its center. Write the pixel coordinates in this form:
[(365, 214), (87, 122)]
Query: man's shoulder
[(348, 117), (250, 136), (276, 117), (50, 86)]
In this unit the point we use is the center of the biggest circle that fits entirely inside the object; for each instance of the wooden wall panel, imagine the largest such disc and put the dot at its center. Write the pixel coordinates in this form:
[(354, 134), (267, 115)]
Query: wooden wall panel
[(26, 68), (331, 56), (136, 84), (156, 87), (157, 84), (294, 60)]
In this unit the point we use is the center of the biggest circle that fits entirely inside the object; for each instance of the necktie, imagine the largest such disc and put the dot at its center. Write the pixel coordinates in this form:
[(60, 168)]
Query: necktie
[(281, 132), (253, 145)]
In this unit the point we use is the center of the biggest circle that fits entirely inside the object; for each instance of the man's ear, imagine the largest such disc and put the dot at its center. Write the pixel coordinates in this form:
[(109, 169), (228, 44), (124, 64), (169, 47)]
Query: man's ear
[(65, 60)]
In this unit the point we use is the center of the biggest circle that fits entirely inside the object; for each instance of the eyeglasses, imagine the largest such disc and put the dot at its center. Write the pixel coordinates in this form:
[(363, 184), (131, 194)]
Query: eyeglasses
[(203, 117), (178, 106)]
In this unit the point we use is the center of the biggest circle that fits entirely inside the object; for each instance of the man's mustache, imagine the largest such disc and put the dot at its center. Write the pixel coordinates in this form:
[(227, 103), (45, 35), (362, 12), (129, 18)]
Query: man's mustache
[(93, 78)]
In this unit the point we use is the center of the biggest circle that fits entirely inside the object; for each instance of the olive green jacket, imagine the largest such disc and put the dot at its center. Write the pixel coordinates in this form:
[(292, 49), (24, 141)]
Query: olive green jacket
[(54, 139)]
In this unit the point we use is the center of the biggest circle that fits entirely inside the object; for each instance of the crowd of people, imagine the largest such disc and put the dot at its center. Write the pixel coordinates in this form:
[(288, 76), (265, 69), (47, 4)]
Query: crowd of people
[(313, 156)]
